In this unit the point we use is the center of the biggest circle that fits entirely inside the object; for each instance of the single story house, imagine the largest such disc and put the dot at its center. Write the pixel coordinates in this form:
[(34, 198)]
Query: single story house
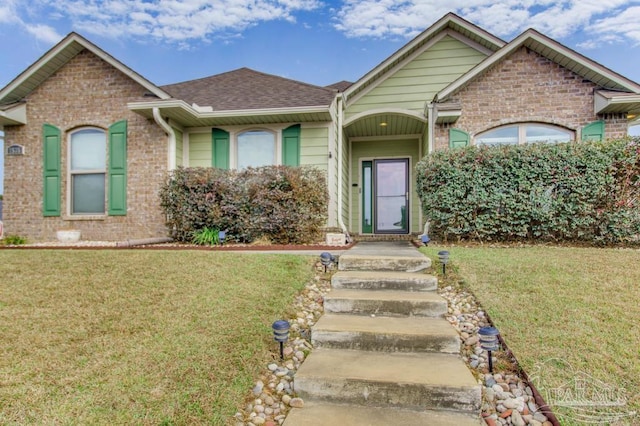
[(89, 141)]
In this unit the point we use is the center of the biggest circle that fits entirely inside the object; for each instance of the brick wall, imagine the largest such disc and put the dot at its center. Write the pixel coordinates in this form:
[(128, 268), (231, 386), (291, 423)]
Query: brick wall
[(526, 87), (85, 92)]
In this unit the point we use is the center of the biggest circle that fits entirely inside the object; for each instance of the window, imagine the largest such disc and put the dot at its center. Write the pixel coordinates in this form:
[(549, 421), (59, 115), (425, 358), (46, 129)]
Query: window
[(256, 148), (524, 133), (87, 169)]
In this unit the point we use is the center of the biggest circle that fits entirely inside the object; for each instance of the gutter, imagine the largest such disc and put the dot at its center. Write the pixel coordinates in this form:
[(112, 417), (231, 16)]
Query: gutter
[(171, 140), (340, 142)]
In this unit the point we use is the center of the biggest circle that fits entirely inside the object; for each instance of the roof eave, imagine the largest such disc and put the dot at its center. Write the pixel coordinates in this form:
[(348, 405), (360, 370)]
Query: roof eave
[(45, 66), (14, 115), (624, 103), (527, 38), (200, 113)]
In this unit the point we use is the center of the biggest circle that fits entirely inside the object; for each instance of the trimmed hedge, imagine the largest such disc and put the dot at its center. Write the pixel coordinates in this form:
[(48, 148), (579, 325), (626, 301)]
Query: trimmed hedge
[(587, 192), (281, 203)]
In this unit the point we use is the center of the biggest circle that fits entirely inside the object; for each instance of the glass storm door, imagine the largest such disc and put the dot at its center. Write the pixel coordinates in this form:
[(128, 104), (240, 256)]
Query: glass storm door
[(385, 196)]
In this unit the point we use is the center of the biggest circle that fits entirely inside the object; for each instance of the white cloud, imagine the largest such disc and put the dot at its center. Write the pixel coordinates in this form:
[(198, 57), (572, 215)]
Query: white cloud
[(43, 33), (173, 21), (610, 20), (623, 25), (176, 21)]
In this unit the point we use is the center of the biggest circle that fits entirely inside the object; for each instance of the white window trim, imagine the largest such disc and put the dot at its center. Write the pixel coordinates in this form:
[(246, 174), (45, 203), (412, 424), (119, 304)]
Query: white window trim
[(83, 216), (277, 139), (522, 132)]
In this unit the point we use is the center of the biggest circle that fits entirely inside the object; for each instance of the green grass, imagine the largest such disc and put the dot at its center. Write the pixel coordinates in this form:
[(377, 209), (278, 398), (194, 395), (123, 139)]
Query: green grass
[(579, 307), (137, 337)]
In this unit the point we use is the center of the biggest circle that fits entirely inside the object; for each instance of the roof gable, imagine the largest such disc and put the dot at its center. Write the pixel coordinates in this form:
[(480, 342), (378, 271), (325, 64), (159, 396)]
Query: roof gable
[(450, 21), (56, 58), (555, 52), (246, 89)]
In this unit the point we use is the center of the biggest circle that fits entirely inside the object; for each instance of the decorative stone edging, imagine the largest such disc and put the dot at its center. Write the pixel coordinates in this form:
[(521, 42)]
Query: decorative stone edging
[(507, 398), (272, 396)]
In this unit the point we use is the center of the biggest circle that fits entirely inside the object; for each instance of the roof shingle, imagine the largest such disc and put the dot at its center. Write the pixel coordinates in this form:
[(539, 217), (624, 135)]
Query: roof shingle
[(246, 89)]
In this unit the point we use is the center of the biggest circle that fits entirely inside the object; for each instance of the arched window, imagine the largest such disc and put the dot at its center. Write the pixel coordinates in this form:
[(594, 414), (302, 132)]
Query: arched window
[(522, 133), (256, 148), (87, 168)]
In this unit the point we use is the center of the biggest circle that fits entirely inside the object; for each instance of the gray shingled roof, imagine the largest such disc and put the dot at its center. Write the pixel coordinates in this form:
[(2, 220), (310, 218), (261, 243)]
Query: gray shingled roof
[(244, 89), (340, 86)]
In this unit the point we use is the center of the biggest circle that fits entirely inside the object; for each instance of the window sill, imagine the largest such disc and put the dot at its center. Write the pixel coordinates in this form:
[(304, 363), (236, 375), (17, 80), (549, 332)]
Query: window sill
[(85, 217)]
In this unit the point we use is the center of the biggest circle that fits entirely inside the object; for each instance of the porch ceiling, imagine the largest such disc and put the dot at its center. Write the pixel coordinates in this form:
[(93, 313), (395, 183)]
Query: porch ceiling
[(374, 126)]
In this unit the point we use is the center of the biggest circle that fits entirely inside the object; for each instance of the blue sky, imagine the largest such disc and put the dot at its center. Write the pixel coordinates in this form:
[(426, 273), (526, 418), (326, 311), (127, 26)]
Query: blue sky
[(316, 41)]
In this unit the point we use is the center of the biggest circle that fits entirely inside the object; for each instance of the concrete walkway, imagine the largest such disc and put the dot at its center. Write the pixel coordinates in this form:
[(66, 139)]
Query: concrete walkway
[(383, 353)]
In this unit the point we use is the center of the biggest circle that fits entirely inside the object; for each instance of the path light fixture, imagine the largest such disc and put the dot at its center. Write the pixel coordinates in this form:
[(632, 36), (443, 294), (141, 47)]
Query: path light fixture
[(221, 236), (443, 256), (425, 239), (489, 342), (281, 334), (326, 259)]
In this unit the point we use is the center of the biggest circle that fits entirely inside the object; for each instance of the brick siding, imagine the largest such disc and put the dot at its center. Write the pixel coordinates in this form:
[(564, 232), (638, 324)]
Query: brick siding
[(85, 92), (527, 87)]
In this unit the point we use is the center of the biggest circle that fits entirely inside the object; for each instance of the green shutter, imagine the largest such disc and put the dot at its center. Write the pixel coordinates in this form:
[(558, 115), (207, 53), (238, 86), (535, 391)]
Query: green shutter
[(51, 154), (593, 131), (118, 169), (458, 138), (220, 148), (291, 146)]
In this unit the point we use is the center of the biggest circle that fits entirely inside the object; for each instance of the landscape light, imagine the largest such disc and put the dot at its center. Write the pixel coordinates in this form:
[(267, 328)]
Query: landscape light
[(443, 256), (489, 342), (221, 236), (326, 259), (281, 334)]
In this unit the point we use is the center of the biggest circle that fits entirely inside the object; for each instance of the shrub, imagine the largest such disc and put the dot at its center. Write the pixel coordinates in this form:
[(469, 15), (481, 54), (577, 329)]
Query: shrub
[(584, 191), (283, 204)]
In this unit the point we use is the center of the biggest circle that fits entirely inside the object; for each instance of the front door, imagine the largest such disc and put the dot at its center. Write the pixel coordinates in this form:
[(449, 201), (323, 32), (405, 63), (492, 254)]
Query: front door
[(385, 196)]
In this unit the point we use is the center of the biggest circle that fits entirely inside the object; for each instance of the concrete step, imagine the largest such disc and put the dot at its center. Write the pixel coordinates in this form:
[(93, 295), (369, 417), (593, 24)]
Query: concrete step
[(385, 302), (367, 280), (424, 381), (412, 262), (323, 414), (410, 334)]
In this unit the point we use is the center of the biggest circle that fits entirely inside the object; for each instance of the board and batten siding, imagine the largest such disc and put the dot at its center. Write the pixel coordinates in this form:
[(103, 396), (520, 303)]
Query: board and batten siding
[(364, 150), (200, 149), (419, 80)]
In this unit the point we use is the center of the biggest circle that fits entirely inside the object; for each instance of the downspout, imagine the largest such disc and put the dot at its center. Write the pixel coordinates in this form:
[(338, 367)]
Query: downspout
[(430, 127), (340, 142), (171, 155)]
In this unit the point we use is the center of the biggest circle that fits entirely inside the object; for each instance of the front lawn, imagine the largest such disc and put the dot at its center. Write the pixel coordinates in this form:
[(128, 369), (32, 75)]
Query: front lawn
[(135, 336), (566, 313)]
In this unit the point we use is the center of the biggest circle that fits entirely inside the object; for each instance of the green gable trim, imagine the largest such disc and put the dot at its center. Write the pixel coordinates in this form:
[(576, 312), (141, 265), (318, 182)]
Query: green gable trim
[(118, 169), (51, 136), (593, 131), (291, 146), (220, 148), (458, 138)]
